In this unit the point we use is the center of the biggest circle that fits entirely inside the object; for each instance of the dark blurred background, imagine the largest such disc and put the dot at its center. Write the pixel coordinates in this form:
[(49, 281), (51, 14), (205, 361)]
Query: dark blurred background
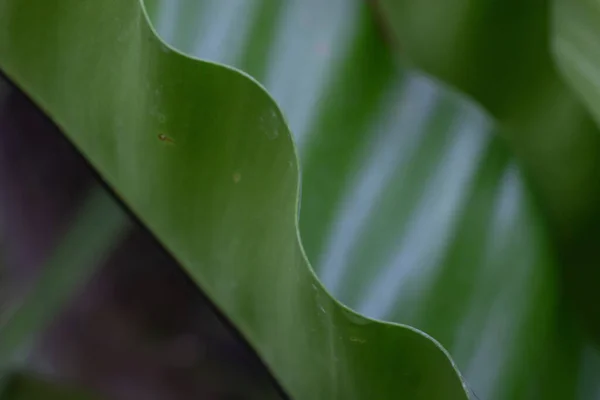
[(139, 328)]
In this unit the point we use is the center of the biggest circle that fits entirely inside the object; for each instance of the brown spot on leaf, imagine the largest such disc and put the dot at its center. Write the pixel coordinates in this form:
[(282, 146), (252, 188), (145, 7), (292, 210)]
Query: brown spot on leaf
[(164, 138)]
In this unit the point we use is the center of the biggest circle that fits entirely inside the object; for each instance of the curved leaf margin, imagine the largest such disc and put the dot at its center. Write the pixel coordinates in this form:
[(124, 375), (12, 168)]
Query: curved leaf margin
[(134, 106)]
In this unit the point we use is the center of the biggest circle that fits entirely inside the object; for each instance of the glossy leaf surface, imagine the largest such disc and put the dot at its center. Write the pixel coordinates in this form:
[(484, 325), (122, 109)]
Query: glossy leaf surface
[(412, 208), (203, 156)]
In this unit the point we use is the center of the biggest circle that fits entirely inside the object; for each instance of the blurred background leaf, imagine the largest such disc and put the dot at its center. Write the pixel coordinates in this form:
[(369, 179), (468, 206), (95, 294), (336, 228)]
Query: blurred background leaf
[(574, 37), (576, 47), (499, 54), (102, 223)]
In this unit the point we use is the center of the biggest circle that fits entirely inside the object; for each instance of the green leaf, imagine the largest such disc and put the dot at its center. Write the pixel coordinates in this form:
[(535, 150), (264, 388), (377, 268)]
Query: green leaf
[(96, 229), (203, 156)]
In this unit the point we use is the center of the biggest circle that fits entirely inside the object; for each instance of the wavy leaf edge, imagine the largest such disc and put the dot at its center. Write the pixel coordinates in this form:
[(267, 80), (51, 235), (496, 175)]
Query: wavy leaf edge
[(41, 103), (298, 192)]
